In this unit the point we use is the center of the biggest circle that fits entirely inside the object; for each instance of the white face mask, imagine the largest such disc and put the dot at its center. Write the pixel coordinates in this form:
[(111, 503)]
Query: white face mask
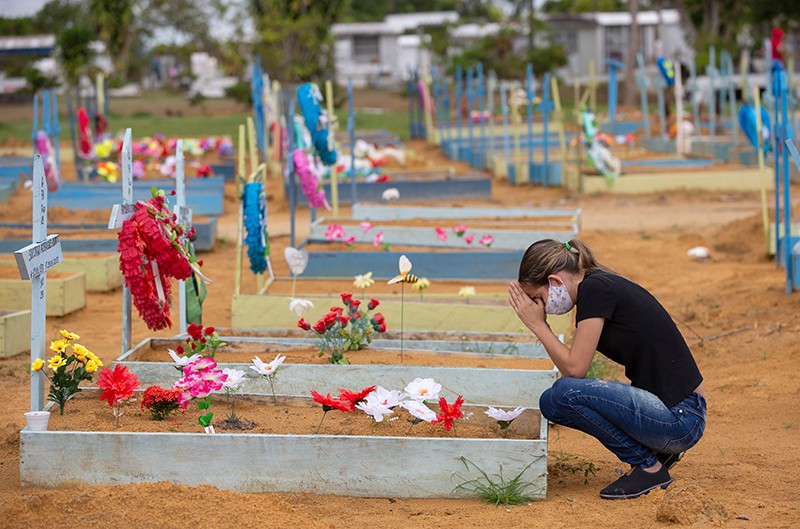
[(558, 299)]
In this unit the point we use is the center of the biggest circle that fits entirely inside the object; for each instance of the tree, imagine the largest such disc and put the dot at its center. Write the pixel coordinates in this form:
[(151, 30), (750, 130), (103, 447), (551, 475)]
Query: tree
[(582, 6), (74, 51), (633, 49), (294, 39), (114, 21)]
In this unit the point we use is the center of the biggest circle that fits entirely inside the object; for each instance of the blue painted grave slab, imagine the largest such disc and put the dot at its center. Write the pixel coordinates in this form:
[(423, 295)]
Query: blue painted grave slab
[(433, 265), (224, 168), (547, 175), (205, 196), (458, 187), (206, 236), (621, 127)]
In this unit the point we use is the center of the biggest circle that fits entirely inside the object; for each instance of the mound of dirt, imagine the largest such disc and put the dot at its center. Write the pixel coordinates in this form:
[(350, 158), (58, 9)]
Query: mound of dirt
[(688, 504)]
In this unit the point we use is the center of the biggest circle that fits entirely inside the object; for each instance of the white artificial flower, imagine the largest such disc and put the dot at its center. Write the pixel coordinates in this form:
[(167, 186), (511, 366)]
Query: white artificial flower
[(234, 380), (209, 429), (422, 283), (466, 292), (419, 410), (300, 305), (363, 281), (183, 360), (267, 369), (391, 194), (423, 389), (506, 416), (374, 409), (387, 398)]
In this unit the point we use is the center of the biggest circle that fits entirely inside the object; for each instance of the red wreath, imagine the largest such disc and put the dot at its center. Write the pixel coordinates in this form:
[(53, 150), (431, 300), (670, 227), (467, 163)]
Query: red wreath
[(151, 235)]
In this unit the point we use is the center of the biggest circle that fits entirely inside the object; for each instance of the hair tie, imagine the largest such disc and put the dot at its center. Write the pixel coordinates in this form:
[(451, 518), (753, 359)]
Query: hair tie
[(568, 246)]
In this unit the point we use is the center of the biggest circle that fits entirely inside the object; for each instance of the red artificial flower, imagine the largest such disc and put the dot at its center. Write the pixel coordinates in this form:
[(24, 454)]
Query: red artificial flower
[(117, 384), (329, 403), (320, 327), (381, 328), (303, 324), (343, 320), (337, 310), (449, 413), (195, 331), (354, 304), (378, 318), (373, 303), (355, 315), (354, 397), (209, 331), (179, 349), (346, 297)]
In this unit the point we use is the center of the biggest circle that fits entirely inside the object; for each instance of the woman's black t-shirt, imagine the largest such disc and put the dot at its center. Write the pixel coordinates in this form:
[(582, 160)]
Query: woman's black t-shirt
[(639, 334)]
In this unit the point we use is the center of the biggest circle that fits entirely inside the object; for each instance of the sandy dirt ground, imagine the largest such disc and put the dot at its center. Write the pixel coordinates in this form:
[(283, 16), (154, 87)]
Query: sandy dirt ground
[(732, 309)]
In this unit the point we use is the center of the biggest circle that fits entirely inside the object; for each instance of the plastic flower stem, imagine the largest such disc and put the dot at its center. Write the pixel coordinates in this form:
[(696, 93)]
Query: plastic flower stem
[(271, 379), (402, 306), (324, 413), (294, 282)]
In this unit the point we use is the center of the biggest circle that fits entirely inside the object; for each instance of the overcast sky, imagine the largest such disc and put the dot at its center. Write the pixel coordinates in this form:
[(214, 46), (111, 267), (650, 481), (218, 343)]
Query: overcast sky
[(20, 8)]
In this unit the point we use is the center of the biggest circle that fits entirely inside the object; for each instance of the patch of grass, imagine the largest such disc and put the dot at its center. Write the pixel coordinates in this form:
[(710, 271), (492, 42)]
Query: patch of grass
[(395, 122), (498, 489), (573, 464)]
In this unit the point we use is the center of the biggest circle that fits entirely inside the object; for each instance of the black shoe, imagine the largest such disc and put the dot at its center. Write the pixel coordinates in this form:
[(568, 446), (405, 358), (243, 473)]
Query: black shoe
[(669, 459), (636, 483)]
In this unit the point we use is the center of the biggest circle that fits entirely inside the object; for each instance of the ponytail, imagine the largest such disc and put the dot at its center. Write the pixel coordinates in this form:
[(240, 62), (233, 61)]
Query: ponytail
[(548, 256)]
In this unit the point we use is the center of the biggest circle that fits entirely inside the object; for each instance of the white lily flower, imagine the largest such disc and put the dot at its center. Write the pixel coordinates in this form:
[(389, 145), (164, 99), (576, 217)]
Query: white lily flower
[(419, 410), (391, 194), (234, 380), (387, 398), (506, 416), (363, 281), (300, 305), (183, 360), (422, 389), (267, 369), (374, 409)]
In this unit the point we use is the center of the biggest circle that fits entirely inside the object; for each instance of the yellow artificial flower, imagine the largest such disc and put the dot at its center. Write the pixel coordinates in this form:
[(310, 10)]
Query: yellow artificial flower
[(91, 366), (55, 362), (466, 292), (37, 364), (422, 283), (93, 358), (59, 346), (80, 352), (69, 335)]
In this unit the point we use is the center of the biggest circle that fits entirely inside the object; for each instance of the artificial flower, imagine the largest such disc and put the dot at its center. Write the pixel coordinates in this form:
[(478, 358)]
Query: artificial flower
[(366, 226), (329, 403), (354, 397), (347, 298), (441, 234), (386, 397), (449, 412), (419, 410), (91, 357), (363, 281), (423, 389), (469, 238), (377, 240), (37, 364), (466, 292), (118, 384), (69, 335), (300, 305), (374, 409), (80, 352), (390, 194), (91, 366), (422, 283), (182, 360), (373, 303), (303, 324), (504, 418), (486, 240), (267, 369), (201, 364), (55, 362), (459, 230), (234, 380), (59, 346), (334, 232)]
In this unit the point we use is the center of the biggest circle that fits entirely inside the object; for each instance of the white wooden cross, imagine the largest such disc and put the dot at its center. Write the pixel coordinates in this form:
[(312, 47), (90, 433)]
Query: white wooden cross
[(119, 214), (33, 261), (184, 219)]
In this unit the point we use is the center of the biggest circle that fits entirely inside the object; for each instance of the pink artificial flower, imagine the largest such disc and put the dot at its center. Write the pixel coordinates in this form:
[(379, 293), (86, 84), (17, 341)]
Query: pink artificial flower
[(366, 226), (459, 230), (469, 238), (441, 234), (201, 364), (309, 183), (334, 232), (377, 240), (486, 240), (350, 240)]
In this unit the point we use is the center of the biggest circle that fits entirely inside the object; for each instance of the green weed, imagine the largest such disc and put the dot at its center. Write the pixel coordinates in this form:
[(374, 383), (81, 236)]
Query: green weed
[(498, 489)]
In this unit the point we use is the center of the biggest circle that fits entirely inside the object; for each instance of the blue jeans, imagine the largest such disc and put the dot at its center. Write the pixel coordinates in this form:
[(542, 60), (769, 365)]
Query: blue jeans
[(629, 421)]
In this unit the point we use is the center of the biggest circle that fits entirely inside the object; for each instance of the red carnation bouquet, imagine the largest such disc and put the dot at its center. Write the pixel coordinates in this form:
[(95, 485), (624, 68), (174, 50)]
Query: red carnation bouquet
[(346, 329), (151, 253)]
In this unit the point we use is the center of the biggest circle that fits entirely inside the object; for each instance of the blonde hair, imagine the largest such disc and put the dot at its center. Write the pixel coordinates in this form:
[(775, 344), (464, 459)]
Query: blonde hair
[(548, 256)]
